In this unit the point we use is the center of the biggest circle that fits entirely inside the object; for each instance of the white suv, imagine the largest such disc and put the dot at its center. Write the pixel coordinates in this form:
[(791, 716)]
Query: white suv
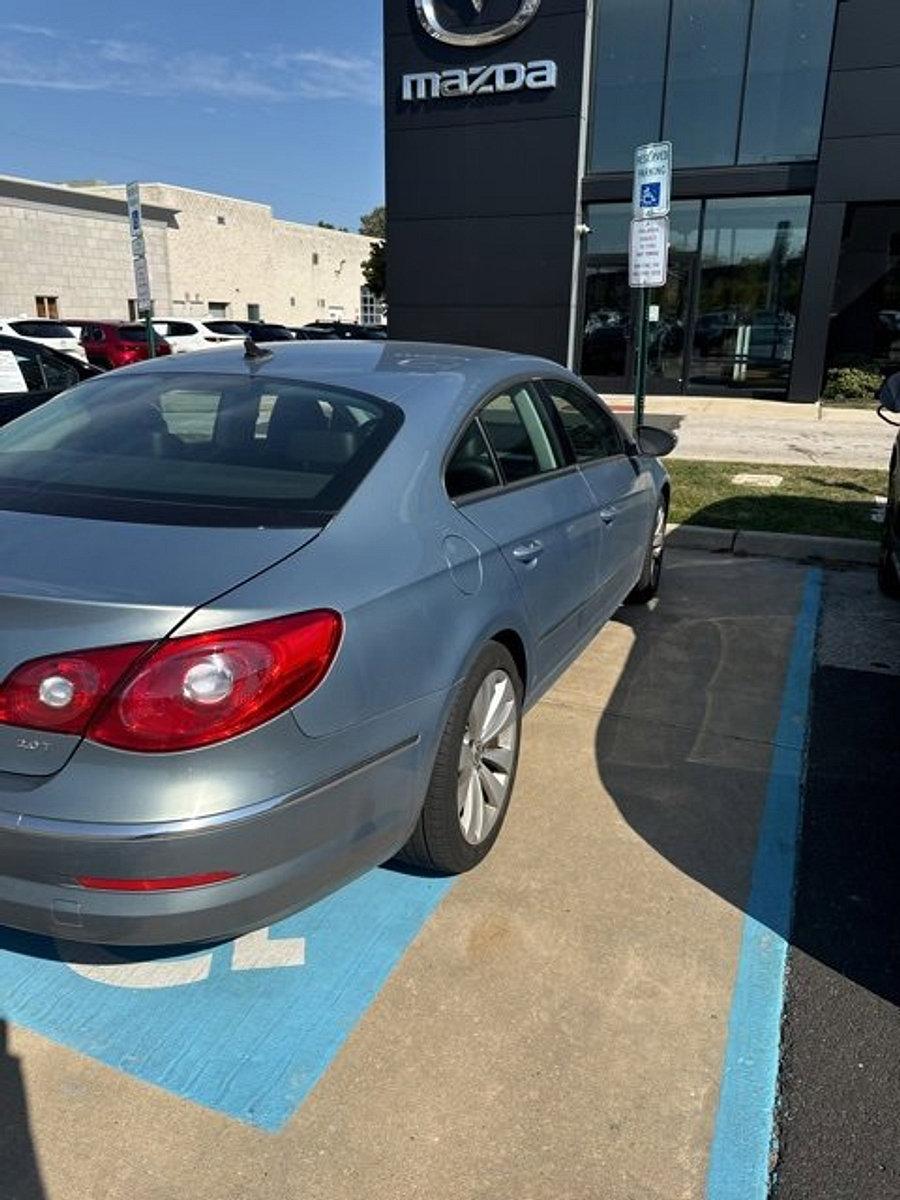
[(55, 334), (187, 333)]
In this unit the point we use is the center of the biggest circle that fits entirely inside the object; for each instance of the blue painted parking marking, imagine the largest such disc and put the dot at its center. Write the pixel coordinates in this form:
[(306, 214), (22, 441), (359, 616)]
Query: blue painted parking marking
[(246, 1028), (742, 1140)]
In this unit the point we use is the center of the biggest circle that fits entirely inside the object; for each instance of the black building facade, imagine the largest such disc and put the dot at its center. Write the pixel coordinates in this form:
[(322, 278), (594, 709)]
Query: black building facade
[(511, 126)]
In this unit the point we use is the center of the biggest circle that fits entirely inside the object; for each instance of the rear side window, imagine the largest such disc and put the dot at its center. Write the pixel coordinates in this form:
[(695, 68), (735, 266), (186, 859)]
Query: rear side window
[(195, 449), (518, 436), (592, 432), (41, 329), (471, 468), (180, 329)]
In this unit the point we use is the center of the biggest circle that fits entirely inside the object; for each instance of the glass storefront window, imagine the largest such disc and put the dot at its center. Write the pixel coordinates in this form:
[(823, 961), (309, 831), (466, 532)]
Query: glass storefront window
[(749, 291), (728, 310), (728, 81), (865, 323), (707, 57), (629, 69), (789, 48)]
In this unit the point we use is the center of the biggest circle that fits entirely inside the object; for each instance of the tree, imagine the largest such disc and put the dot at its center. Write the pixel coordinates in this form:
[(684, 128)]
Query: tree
[(374, 269), (328, 225), (374, 224)]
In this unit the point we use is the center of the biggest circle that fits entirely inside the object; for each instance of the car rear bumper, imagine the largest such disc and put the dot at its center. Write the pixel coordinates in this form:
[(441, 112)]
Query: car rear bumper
[(286, 853)]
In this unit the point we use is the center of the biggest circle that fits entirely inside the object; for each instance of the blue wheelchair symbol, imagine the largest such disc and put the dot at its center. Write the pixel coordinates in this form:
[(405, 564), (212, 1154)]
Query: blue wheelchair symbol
[(650, 195)]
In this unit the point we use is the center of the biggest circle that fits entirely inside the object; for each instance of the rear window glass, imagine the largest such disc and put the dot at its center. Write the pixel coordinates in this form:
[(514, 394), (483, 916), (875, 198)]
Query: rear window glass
[(225, 327), (133, 333), (41, 329), (194, 449)]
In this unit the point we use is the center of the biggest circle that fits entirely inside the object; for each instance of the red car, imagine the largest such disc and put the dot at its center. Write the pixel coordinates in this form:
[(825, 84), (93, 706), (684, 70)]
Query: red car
[(111, 344)]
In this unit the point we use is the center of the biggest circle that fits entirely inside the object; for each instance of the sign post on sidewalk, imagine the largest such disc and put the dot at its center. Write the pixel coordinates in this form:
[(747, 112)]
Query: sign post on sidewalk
[(139, 261), (648, 251)]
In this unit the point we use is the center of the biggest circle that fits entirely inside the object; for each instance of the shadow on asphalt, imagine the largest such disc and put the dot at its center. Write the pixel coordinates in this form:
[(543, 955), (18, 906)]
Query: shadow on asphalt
[(20, 1177), (684, 748)]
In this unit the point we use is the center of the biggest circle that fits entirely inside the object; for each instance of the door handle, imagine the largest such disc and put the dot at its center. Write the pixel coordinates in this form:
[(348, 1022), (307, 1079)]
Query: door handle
[(609, 514), (528, 551)]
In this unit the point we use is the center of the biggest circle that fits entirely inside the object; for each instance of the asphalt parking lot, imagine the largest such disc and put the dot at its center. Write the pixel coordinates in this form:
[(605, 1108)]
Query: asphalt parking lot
[(566, 1021)]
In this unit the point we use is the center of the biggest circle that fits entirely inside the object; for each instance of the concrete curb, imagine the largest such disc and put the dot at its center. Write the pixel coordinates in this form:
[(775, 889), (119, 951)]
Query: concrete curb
[(799, 546)]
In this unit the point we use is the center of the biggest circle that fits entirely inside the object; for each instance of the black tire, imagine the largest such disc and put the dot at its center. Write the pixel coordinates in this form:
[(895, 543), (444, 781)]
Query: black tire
[(651, 573), (437, 843), (888, 579)]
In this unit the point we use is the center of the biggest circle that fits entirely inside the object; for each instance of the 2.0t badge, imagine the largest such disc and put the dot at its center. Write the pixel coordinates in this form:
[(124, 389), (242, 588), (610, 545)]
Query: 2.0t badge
[(428, 17)]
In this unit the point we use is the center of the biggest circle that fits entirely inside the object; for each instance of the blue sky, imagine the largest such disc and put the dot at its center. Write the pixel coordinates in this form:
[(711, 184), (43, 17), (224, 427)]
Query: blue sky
[(275, 100)]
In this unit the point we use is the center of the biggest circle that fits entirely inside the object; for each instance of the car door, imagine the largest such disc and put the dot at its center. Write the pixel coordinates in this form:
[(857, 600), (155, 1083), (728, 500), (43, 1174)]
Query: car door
[(621, 485), (508, 475)]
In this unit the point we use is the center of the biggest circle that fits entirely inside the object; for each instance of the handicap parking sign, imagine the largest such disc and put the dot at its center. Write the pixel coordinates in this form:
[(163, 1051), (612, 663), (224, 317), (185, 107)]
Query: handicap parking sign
[(650, 195), (246, 1027)]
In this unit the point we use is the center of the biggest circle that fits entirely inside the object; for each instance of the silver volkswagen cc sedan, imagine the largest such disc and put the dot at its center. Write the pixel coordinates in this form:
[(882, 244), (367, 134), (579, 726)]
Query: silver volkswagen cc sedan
[(269, 617)]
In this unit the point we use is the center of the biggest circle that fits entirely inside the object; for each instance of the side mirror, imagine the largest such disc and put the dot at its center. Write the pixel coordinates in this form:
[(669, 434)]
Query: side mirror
[(655, 441)]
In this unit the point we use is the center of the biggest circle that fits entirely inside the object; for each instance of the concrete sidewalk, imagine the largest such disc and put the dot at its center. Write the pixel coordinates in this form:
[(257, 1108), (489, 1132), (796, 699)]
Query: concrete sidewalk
[(557, 1028), (737, 429)]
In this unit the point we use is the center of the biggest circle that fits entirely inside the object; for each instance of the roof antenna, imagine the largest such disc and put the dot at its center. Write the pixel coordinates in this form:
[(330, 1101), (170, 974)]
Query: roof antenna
[(251, 350)]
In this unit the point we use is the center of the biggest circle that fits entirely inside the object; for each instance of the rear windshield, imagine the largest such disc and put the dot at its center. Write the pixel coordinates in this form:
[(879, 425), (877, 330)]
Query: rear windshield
[(41, 329), (133, 333), (192, 449)]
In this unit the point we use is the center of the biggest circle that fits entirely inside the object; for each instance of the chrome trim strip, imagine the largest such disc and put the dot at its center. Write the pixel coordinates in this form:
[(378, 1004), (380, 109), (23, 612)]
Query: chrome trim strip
[(144, 831)]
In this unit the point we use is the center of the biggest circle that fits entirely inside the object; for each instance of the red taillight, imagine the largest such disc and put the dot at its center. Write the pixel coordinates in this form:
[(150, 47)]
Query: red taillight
[(170, 883), (184, 693), (60, 693)]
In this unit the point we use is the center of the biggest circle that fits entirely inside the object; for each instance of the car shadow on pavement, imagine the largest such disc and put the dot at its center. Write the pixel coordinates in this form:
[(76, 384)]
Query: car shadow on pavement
[(684, 744), (20, 1176)]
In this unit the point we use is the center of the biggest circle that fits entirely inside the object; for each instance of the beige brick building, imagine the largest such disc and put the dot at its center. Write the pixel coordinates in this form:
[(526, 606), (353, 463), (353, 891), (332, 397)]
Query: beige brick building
[(207, 254)]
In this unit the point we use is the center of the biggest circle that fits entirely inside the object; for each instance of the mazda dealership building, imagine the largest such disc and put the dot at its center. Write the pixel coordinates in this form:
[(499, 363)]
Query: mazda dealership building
[(511, 129)]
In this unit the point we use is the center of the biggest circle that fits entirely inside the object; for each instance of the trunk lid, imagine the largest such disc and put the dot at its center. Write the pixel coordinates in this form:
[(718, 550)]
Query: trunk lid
[(69, 584)]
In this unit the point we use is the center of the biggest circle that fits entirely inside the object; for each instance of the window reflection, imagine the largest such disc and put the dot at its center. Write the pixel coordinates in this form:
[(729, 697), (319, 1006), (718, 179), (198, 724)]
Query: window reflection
[(607, 307), (789, 47), (865, 327), (706, 69), (751, 269), (629, 70)]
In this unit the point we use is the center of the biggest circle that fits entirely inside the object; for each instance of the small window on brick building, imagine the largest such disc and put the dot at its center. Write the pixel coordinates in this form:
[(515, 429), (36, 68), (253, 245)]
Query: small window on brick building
[(315, 259), (133, 313), (47, 306), (252, 312), (220, 220), (321, 303)]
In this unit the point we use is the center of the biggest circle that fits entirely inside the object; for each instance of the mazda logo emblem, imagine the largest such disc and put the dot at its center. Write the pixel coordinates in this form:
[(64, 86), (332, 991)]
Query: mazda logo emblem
[(427, 13)]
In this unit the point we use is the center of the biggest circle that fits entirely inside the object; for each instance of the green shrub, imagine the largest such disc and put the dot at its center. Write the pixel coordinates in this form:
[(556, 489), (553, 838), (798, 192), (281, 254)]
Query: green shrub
[(851, 383)]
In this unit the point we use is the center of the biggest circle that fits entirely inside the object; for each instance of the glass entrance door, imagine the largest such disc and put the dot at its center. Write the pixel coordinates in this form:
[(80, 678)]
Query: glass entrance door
[(666, 359)]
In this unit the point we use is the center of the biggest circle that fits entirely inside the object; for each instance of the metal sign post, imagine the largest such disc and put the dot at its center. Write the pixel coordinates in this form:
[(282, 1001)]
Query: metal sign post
[(648, 252), (139, 260)]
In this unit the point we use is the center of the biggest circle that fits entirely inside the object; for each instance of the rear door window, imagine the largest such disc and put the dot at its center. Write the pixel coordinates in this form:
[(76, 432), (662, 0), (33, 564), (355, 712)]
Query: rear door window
[(517, 434), (592, 432), (195, 449)]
